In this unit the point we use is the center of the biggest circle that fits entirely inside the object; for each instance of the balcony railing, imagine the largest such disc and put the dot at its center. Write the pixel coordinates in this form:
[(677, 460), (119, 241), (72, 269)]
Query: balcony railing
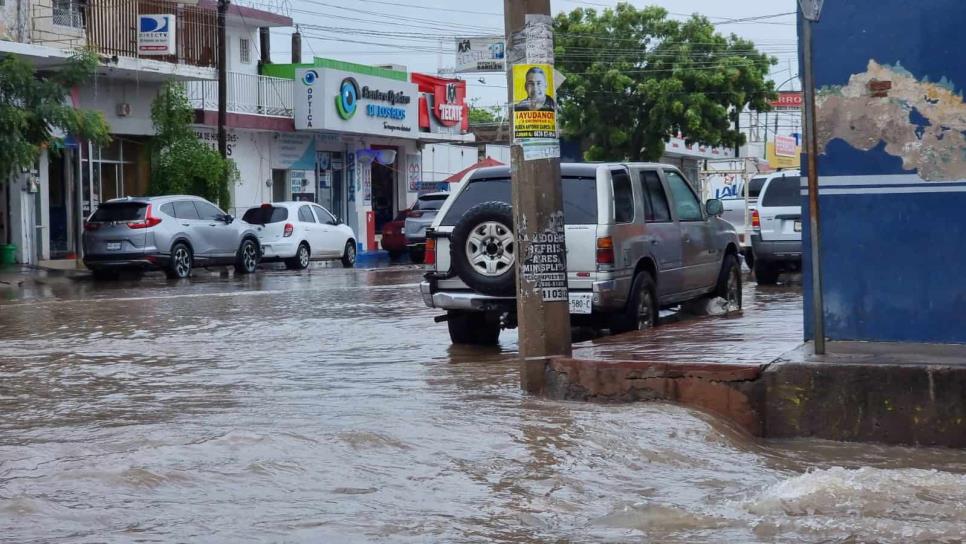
[(247, 93)]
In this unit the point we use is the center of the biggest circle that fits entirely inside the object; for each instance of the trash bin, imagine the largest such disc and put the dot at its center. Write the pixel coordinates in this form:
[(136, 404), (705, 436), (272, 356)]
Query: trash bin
[(8, 254)]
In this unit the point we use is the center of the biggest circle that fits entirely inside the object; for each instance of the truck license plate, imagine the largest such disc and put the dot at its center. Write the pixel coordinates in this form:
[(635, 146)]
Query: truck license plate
[(113, 246), (798, 226), (581, 303)]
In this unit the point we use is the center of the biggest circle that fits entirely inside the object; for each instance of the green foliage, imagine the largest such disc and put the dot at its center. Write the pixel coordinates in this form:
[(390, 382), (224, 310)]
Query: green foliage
[(32, 107), (182, 163), (479, 114), (635, 78)]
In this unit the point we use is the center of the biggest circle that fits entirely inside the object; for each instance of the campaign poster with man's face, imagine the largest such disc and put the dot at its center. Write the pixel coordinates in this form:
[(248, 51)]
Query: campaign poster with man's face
[(534, 107)]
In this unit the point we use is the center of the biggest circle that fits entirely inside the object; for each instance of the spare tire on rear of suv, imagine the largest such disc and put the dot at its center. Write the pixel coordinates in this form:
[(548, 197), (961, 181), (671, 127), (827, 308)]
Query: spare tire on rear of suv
[(483, 249)]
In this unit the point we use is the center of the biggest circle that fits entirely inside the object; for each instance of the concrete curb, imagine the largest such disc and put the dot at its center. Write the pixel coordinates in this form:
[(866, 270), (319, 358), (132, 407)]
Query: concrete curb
[(909, 404)]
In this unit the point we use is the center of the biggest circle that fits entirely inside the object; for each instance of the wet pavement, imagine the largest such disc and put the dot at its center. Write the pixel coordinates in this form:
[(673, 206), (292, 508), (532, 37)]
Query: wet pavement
[(328, 406)]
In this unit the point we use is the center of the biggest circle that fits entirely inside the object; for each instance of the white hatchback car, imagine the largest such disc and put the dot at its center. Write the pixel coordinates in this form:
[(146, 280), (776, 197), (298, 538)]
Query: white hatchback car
[(297, 233)]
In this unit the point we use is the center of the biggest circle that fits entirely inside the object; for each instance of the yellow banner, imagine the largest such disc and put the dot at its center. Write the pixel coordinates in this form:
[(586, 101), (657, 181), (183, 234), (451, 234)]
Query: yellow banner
[(534, 104), (778, 161)]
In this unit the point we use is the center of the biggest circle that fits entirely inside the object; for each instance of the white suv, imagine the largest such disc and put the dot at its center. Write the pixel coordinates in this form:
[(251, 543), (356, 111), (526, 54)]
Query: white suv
[(776, 221), (299, 232), (638, 240)]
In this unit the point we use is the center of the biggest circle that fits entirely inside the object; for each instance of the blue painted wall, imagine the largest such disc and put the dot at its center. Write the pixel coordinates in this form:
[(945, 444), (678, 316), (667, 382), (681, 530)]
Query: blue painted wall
[(894, 245)]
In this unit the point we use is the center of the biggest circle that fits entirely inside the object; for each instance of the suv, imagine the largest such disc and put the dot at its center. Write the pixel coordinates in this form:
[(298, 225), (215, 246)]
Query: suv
[(171, 233), (777, 227), (418, 218), (637, 239)]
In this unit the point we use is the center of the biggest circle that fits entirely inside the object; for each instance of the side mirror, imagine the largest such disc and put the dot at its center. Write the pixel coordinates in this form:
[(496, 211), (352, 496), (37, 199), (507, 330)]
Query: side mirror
[(228, 218), (714, 207)]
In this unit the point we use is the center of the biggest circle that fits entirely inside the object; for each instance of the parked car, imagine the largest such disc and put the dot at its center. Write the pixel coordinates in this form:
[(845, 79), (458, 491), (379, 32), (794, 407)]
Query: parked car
[(297, 233), (394, 236), (777, 227), (638, 240), (170, 233), (737, 211), (420, 216)]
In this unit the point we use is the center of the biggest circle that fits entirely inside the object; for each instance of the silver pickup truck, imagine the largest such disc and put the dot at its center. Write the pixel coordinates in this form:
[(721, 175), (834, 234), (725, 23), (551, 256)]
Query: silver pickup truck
[(637, 240)]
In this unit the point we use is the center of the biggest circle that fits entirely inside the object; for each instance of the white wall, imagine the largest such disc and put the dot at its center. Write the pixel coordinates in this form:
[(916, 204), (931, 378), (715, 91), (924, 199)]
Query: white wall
[(235, 33), (8, 21), (104, 95), (441, 161)]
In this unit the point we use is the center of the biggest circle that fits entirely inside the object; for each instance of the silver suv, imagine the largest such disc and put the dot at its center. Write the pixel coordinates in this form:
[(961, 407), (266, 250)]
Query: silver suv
[(170, 233), (638, 240), (777, 227)]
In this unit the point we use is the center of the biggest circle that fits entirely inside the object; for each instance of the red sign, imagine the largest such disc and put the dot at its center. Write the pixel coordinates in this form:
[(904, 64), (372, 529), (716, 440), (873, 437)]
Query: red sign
[(444, 100), (786, 146), (788, 99)]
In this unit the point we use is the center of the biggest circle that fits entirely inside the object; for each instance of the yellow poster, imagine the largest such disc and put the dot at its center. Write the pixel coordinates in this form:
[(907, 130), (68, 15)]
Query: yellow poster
[(534, 107), (779, 161)]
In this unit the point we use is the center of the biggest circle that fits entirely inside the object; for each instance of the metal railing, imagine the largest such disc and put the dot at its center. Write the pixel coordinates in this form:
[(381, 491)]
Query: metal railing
[(247, 93)]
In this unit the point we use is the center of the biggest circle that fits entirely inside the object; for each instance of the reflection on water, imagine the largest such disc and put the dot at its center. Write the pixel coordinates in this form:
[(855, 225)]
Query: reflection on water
[(328, 406)]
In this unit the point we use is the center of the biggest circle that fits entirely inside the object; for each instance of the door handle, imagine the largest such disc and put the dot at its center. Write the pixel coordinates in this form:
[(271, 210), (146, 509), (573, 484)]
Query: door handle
[(687, 239)]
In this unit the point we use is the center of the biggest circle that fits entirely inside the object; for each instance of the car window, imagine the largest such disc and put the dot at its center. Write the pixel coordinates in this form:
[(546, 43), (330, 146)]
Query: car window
[(323, 215), (305, 214), (185, 209), (207, 211), (783, 192), (755, 185), (685, 203), (655, 201), (623, 197), (168, 209), (120, 212), (580, 198), (265, 215), (429, 203)]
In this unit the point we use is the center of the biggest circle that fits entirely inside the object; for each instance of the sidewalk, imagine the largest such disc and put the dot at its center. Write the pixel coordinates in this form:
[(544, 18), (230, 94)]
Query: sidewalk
[(20, 275)]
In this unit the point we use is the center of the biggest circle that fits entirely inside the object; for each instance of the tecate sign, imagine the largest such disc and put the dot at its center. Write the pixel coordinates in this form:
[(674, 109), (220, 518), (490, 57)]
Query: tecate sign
[(156, 34), (339, 101)]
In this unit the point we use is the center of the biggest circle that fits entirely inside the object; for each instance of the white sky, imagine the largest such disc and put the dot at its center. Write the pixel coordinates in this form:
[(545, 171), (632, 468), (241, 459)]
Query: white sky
[(408, 32)]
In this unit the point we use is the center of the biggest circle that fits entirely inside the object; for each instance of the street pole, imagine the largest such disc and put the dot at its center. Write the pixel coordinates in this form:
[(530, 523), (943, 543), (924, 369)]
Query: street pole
[(543, 311), (811, 10), (222, 79)]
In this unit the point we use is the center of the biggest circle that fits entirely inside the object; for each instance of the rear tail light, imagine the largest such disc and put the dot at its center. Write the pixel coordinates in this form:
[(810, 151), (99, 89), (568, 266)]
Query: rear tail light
[(146, 223), (289, 229), (755, 220), (430, 257), (605, 250), (414, 213), (91, 226)]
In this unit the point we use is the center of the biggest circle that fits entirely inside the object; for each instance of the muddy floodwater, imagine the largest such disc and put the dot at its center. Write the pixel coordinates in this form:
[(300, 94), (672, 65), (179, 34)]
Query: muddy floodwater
[(327, 406)]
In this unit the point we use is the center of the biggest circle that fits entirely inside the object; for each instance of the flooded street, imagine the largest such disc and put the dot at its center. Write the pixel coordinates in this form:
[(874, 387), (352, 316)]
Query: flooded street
[(327, 406)]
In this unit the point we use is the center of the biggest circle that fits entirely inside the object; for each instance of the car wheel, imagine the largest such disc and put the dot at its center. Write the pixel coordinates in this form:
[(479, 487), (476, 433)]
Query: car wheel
[(765, 273), (349, 255), (473, 328), (301, 259), (181, 261), (641, 312), (104, 274), (417, 255), (729, 283), (484, 249), (247, 259)]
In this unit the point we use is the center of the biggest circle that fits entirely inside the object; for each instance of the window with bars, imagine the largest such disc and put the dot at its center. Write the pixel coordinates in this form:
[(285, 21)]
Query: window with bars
[(69, 13), (245, 50)]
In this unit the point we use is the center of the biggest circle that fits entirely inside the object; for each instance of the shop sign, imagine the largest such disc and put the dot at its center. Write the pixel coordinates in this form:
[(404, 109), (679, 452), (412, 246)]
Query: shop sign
[(293, 151), (480, 55), (336, 100), (156, 34), (785, 146), (414, 169), (781, 161), (788, 100)]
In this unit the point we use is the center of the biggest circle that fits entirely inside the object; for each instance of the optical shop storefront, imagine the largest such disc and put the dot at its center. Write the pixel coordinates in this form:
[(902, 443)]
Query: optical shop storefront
[(367, 133)]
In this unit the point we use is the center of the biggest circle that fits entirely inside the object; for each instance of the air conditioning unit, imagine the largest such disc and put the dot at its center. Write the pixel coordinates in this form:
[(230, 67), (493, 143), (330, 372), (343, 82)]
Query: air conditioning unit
[(123, 109)]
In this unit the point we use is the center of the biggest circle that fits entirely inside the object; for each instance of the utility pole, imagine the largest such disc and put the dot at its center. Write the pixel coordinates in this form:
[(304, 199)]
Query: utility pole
[(811, 11), (543, 310), (222, 79)]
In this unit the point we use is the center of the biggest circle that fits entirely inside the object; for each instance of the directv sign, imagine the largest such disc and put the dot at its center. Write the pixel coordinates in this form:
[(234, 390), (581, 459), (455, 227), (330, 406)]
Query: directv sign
[(156, 34), (339, 101)]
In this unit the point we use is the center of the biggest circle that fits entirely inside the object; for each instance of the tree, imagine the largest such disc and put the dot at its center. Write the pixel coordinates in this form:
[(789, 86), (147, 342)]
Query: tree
[(182, 163), (636, 78), (480, 114), (33, 108)]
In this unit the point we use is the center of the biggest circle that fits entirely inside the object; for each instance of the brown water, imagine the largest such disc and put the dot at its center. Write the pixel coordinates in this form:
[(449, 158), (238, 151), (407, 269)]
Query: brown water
[(328, 407)]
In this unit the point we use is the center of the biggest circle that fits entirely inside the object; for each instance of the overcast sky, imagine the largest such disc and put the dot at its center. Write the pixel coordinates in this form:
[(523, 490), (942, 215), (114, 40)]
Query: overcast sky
[(409, 32)]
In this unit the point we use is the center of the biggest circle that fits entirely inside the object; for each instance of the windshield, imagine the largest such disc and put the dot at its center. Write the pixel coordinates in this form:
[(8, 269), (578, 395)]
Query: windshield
[(580, 199), (120, 212), (783, 192), (433, 203), (266, 215)]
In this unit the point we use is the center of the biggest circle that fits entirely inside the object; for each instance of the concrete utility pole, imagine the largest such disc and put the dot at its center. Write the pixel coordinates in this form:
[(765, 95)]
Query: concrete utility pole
[(811, 11), (543, 310), (222, 79)]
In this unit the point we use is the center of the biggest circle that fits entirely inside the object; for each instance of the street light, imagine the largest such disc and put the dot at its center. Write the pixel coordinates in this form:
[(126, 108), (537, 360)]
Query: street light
[(811, 11)]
